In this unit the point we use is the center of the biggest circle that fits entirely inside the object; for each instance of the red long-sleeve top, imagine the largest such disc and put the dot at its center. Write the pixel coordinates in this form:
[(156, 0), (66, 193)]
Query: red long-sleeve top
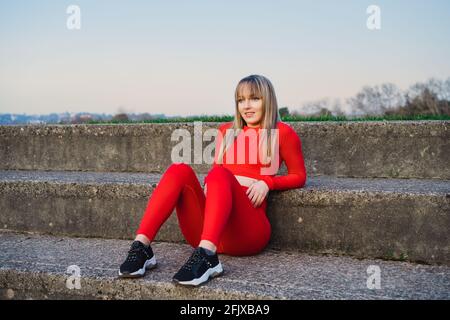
[(290, 151)]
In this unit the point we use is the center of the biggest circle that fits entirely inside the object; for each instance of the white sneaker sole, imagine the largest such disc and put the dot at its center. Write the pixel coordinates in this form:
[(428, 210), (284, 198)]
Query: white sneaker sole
[(149, 264), (211, 272)]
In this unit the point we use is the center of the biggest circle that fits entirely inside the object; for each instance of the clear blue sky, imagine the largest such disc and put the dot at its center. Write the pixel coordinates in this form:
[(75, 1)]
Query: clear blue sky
[(186, 56)]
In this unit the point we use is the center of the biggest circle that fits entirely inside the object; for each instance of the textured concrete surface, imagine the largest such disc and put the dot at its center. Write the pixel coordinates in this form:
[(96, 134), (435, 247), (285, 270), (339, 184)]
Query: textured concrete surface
[(33, 266), (399, 149), (400, 219)]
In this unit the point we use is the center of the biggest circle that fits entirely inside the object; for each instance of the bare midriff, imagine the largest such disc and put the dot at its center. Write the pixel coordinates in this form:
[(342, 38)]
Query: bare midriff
[(245, 181)]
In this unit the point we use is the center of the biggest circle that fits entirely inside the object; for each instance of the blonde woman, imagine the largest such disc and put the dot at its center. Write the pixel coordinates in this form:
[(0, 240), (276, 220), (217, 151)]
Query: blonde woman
[(229, 215)]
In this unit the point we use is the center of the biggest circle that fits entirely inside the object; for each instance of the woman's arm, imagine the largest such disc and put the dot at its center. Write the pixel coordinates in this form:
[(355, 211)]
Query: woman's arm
[(291, 153)]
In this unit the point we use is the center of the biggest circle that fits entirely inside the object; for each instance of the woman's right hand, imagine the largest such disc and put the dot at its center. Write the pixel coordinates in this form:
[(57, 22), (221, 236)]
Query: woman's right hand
[(257, 192)]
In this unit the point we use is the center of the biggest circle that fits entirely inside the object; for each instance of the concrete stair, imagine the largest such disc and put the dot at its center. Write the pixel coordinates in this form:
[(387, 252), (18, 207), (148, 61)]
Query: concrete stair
[(74, 194), (401, 219), (35, 267), (377, 149)]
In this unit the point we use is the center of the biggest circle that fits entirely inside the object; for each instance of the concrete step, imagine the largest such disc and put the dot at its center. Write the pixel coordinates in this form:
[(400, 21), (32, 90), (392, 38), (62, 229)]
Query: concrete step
[(35, 266), (387, 149), (399, 219)]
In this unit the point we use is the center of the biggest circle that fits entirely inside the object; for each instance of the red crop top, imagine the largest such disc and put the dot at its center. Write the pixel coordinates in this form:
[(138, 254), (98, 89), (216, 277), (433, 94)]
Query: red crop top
[(290, 151)]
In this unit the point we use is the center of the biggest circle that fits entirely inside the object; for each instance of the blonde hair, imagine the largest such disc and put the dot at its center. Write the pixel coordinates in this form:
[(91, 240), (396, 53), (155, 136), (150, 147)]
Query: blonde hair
[(261, 87)]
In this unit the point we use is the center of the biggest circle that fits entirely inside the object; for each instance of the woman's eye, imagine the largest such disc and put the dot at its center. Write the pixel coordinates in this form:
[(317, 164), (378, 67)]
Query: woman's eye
[(254, 98)]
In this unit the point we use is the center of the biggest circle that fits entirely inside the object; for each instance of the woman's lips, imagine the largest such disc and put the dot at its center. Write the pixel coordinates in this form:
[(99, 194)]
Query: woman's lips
[(249, 114)]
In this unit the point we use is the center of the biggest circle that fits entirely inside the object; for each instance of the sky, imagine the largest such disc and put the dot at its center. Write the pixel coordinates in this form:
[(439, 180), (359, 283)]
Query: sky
[(185, 57)]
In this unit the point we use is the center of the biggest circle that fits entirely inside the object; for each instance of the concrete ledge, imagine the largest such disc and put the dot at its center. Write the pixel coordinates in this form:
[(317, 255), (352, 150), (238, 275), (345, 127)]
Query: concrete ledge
[(33, 266), (378, 218), (397, 149)]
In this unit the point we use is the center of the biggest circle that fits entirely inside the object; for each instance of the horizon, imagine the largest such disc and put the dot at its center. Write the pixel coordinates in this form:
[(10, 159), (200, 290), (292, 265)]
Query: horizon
[(140, 57)]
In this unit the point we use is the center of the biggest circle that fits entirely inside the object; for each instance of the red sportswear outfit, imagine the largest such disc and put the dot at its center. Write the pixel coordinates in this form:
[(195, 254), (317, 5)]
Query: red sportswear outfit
[(226, 215)]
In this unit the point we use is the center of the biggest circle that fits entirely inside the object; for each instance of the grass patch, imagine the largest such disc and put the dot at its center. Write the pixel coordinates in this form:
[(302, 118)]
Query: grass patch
[(285, 118)]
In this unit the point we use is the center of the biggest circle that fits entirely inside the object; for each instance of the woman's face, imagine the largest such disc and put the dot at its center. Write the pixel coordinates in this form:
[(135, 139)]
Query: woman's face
[(250, 107)]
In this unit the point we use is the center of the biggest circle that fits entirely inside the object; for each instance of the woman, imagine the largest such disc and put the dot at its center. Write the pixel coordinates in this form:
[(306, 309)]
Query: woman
[(229, 215)]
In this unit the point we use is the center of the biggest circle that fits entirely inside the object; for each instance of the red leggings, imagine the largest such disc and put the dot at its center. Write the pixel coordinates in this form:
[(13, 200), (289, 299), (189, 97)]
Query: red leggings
[(226, 216)]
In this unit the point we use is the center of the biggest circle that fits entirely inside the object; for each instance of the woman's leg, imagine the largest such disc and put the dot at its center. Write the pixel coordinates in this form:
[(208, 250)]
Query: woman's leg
[(225, 217), (178, 188), (231, 222)]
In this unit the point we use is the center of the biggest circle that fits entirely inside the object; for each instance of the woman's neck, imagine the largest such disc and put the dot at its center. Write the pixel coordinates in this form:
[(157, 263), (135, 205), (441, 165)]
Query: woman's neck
[(256, 126)]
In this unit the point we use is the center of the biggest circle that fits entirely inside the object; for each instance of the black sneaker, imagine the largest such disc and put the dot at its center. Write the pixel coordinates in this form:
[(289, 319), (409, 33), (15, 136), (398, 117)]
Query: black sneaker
[(139, 259), (199, 268)]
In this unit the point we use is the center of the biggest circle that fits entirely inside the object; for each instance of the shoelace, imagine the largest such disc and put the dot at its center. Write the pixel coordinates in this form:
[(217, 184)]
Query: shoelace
[(132, 254), (196, 257)]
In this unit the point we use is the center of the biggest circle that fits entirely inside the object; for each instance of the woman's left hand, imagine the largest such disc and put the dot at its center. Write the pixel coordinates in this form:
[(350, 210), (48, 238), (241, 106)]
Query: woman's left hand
[(257, 192)]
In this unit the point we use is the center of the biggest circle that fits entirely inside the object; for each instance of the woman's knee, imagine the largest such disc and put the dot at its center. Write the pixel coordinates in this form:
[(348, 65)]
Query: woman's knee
[(179, 167), (181, 171), (218, 173)]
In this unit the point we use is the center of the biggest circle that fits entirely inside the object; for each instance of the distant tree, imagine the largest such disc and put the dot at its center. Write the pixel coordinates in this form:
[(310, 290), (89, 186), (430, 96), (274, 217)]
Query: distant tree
[(284, 112), (81, 118), (120, 117), (426, 102), (441, 88), (336, 108), (145, 116), (376, 100), (323, 106), (324, 112)]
